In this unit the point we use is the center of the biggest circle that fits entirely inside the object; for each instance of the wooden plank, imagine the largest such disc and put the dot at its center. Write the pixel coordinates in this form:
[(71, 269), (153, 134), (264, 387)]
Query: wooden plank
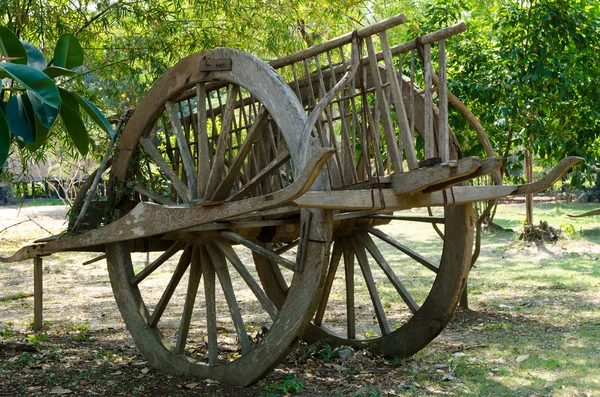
[(349, 279), (220, 266), (401, 247), (488, 166), (148, 270), (211, 306), (386, 199), (233, 258), (224, 188), (259, 250), (38, 294), (202, 139), (363, 262), (184, 149), (182, 265), (384, 108), (428, 135), (218, 166), (443, 136), (269, 169), (190, 300), (182, 190), (424, 219), (376, 254), (422, 178), (406, 137), (333, 266)]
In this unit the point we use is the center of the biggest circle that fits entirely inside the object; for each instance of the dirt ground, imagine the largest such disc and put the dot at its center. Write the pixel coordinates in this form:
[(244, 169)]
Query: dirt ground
[(85, 348)]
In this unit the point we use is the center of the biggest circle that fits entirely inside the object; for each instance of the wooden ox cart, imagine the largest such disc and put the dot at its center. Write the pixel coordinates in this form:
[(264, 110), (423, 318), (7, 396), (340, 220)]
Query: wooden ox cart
[(261, 177)]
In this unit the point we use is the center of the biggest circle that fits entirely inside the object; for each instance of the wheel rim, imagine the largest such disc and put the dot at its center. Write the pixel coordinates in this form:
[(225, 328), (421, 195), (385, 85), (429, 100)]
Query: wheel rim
[(245, 147)]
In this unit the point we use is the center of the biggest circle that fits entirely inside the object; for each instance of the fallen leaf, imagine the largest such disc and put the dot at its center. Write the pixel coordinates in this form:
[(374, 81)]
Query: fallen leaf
[(60, 391), (145, 370), (448, 377), (191, 385), (522, 358)]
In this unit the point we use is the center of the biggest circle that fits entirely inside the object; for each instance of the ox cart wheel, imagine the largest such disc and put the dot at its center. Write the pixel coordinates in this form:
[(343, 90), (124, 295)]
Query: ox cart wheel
[(220, 125), (381, 293)]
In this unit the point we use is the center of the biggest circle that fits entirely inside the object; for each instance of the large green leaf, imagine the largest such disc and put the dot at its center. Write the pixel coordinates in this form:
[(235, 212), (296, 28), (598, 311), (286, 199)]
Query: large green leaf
[(55, 71), (95, 114), (68, 53), (4, 139), (47, 115), (68, 98), (20, 117), (41, 134), (11, 46), (35, 58), (33, 80), (75, 127)]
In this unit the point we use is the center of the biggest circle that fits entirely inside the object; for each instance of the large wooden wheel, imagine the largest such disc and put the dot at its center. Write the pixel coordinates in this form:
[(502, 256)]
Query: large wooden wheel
[(202, 134), (382, 291)]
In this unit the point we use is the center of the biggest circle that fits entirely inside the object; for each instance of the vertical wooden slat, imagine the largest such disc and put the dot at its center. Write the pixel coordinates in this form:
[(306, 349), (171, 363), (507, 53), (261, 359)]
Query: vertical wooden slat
[(388, 128), (202, 136), (218, 166), (443, 142), (412, 92), (38, 294), (428, 105), (184, 149), (406, 136)]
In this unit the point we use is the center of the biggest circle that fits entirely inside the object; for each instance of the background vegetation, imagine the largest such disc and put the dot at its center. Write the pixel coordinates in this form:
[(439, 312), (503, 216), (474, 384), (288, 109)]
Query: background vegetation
[(528, 69)]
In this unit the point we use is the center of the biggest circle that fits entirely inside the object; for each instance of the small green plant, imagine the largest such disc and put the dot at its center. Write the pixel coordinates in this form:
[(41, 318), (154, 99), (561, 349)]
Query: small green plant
[(370, 391), (36, 339), (288, 384), (571, 231), (82, 331), (6, 333)]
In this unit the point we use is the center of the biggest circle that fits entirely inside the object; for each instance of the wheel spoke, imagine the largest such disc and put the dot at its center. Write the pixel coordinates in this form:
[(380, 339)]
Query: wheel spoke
[(184, 149), (281, 159), (157, 198), (349, 273), (283, 250), (184, 262), (218, 165), (234, 259), (363, 262), (437, 229), (211, 306), (148, 270), (180, 187), (335, 260), (224, 188), (202, 138), (375, 253), (190, 299), (413, 254), (218, 261), (259, 250)]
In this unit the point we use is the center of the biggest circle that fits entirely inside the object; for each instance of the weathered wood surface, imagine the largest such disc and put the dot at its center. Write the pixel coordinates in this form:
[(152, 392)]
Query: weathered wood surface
[(589, 213)]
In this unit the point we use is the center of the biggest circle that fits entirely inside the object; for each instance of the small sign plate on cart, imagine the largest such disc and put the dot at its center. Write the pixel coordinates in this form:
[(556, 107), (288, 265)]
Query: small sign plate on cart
[(211, 65)]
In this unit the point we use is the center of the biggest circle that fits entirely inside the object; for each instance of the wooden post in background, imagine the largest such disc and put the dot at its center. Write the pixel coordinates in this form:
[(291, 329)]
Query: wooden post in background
[(37, 293)]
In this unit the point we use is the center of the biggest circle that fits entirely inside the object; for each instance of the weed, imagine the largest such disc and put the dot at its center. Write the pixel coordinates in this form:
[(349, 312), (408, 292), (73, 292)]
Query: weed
[(288, 384), (82, 331), (370, 391), (6, 333)]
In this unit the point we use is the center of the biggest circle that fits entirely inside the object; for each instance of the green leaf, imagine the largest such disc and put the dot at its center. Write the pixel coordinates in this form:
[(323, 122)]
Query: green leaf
[(55, 71), (33, 80), (68, 53), (41, 134), (47, 115), (35, 58), (4, 139), (75, 127), (68, 98), (12, 47), (95, 114), (20, 118)]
